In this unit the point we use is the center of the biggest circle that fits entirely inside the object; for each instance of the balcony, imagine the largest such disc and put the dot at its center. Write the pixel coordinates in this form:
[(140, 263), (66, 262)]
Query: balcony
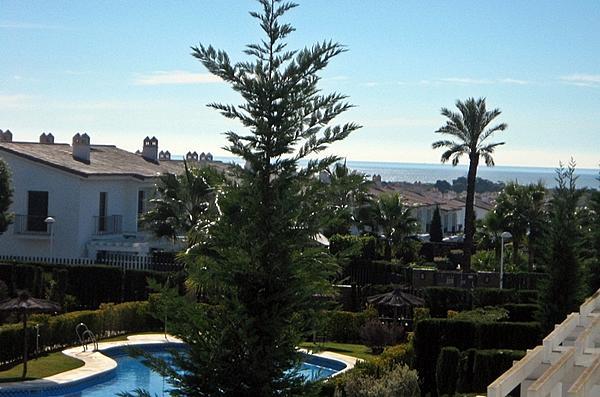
[(104, 225), (31, 225)]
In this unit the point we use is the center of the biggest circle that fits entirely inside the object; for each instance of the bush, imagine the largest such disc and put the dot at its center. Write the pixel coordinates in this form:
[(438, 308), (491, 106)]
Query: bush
[(447, 370), (341, 326), (483, 314), (377, 335), (441, 299), (521, 312), (135, 284), (400, 381), (353, 247), (490, 364), (93, 285), (57, 332)]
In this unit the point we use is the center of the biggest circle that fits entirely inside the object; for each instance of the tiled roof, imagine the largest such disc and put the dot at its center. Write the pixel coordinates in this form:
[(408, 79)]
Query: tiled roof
[(105, 160)]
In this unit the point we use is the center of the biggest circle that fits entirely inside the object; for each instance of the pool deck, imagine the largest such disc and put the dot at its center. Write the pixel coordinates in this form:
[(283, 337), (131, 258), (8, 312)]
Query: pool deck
[(96, 363)]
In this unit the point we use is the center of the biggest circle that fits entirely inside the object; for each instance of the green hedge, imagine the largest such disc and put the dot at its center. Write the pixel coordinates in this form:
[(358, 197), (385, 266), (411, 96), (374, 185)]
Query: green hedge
[(57, 332), (432, 335), (521, 312), (341, 326), (441, 299), (447, 370), (488, 365), (353, 247)]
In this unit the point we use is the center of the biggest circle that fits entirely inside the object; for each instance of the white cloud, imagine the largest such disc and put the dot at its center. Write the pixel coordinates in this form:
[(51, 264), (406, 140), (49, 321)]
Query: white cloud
[(14, 100), (28, 25), (465, 80), (175, 77), (514, 81), (582, 80)]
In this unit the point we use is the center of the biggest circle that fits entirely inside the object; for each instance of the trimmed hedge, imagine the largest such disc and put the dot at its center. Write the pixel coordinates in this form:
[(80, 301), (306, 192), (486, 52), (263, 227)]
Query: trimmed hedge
[(447, 370), (432, 335), (488, 365), (341, 326), (521, 312), (354, 247), (441, 299), (57, 332)]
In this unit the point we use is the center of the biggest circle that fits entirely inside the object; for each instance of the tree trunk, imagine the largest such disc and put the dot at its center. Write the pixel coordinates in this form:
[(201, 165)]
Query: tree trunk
[(24, 345), (469, 212), (516, 259)]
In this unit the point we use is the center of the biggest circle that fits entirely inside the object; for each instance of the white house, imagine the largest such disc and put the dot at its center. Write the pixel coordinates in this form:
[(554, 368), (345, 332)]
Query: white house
[(93, 194)]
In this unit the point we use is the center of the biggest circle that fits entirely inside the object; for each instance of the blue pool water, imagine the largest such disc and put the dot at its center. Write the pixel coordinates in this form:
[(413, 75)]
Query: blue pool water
[(132, 374)]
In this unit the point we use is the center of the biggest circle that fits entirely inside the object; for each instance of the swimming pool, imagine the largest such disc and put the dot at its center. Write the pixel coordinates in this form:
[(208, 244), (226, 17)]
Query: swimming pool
[(130, 373)]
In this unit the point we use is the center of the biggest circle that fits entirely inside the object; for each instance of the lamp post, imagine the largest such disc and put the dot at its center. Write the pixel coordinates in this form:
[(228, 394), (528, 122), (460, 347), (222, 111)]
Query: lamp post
[(504, 235), (50, 221)]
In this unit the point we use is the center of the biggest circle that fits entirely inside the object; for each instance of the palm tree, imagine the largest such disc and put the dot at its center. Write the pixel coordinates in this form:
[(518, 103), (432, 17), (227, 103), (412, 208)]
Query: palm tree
[(394, 220), (469, 128)]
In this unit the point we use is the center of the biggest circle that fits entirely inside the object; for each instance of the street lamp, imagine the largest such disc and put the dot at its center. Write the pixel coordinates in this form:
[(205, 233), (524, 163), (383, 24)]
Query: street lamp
[(50, 222), (504, 235)]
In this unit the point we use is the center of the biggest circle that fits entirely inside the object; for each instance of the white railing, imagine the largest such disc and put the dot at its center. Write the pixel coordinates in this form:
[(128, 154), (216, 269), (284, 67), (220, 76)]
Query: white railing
[(124, 261)]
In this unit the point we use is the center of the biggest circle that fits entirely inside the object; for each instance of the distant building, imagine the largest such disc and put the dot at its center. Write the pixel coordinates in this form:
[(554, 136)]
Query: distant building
[(94, 194)]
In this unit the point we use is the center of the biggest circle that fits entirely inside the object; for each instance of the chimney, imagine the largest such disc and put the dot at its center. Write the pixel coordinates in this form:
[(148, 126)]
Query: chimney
[(81, 147), (191, 156), (47, 138), (202, 157), (150, 149), (209, 157), (6, 136), (166, 155)]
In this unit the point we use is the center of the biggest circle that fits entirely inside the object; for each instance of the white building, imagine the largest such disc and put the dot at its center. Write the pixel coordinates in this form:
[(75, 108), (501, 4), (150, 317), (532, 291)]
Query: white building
[(94, 194)]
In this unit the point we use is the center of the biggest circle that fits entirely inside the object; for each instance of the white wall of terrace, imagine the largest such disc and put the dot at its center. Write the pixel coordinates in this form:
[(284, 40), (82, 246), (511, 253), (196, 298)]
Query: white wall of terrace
[(567, 364)]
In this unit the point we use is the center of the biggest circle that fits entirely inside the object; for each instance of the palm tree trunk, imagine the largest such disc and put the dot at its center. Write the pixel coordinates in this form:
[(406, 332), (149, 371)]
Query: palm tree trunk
[(469, 212), (516, 247)]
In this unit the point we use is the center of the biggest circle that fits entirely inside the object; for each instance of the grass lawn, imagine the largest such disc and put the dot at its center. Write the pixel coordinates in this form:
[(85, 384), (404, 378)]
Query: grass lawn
[(41, 367), (349, 349)]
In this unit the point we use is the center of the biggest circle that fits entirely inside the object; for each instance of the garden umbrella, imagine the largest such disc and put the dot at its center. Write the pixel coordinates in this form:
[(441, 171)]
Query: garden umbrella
[(24, 304), (396, 299)]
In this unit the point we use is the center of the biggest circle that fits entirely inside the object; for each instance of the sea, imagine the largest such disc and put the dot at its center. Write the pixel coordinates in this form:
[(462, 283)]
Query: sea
[(430, 173)]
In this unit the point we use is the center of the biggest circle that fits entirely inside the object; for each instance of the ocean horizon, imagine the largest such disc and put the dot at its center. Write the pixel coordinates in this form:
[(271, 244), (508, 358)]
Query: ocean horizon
[(430, 173)]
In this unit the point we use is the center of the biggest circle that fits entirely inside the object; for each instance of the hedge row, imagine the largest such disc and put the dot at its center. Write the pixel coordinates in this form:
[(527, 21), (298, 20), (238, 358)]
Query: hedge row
[(341, 326), (57, 332), (433, 334), (473, 370), (353, 247), (91, 285), (441, 299)]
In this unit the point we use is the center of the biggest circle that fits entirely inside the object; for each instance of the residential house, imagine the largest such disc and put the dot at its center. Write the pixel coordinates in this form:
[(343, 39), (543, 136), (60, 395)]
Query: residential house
[(82, 200)]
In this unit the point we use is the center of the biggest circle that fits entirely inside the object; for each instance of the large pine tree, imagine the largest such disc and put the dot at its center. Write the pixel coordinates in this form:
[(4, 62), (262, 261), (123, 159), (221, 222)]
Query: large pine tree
[(260, 267)]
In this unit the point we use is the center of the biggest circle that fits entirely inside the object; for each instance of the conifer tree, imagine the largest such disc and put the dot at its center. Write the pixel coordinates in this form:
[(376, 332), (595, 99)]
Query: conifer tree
[(5, 197), (260, 267), (563, 291), (435, 229)]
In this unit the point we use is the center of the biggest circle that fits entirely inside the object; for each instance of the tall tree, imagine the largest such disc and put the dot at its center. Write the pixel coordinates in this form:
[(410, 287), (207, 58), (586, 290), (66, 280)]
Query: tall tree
[(470, 128), (5, 197), (563, 291), (435, 229), (393, 219), (259, 257)]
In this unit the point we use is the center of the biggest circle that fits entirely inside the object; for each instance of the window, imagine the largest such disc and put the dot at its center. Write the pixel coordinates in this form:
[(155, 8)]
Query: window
[(37, 211), (102, 205), (141, 202)]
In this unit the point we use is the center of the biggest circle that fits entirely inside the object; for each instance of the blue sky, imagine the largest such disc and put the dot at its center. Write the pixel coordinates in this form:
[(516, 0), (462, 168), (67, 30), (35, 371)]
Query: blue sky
[(123, 70)]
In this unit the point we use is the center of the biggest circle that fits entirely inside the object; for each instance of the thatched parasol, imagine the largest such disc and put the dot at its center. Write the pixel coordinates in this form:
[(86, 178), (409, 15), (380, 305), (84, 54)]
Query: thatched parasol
[(25, 305), (396, 299)]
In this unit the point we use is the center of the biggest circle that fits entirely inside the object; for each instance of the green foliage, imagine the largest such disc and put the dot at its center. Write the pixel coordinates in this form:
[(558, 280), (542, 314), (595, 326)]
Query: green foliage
[(488, 365), (563, 291), (57, 332), (485, 314), (435, 229), (471, 130), (522, 312), (399, 381), (377, 335), (184, 205), (393, 219), (447, 370), (95, 285), (440, 299), (459, 185), (6, 192), (341, 326), (434, 334), (353, 247)]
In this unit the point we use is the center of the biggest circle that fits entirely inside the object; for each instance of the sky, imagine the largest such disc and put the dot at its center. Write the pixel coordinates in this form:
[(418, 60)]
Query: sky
[(121, 71)]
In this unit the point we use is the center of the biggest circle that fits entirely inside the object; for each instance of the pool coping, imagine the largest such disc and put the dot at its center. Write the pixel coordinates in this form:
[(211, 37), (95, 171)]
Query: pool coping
[(95, 363)]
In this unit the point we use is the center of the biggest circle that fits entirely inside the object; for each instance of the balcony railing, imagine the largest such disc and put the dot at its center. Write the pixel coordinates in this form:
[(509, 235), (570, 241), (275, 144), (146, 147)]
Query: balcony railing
[(112, 224), (34, 225)]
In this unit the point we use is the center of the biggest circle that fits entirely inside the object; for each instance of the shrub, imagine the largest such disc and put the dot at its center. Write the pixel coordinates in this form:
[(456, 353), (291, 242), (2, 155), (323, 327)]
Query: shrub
[(490, 364), (377, 335), (341, 326), (93, 285), (441, 299), (483, 314), (521, 312), (353, 247), (400, 381), (447, 370), (135, 283)]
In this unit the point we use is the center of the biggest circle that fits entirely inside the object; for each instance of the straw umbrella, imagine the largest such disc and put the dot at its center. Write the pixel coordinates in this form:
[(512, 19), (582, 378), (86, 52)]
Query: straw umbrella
[(25, 305), (396, 299)]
